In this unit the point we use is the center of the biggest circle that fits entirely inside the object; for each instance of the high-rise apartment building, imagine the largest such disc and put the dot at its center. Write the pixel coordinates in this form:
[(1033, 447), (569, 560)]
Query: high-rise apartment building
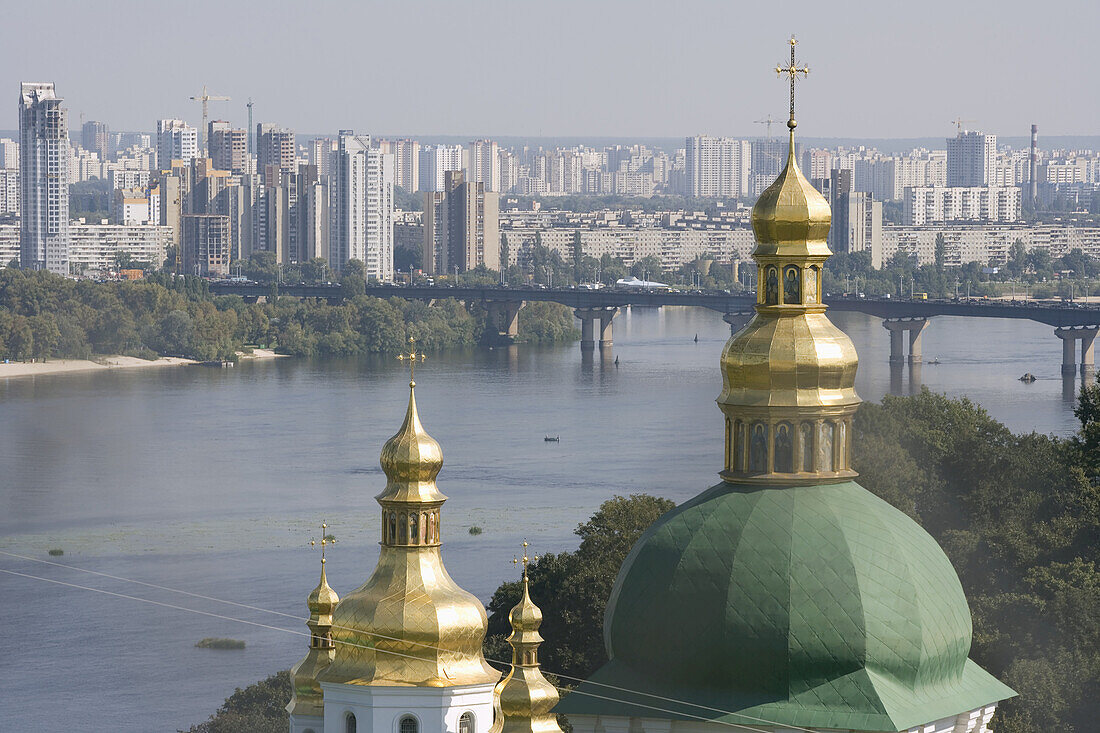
[(176, 140), (857, 225), (406, 162), (9, 153), (483, 164), (228, 147), (435, 161), (768, 157), (717, 167), (322, 152), (364, 206), (971, 159), (44, 179), (275, 148), (206, 245), (9, 193), (461, 229), (94, 137)]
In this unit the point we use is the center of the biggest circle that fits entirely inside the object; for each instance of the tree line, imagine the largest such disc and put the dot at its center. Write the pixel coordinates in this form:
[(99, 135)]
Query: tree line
[(45, 316)]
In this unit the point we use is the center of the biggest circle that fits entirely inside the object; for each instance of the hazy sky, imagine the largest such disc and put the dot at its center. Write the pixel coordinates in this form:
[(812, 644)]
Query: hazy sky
[(564, 67)]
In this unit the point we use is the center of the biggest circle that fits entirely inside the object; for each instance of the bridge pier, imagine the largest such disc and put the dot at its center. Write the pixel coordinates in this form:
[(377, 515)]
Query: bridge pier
[(503, 321), (588, 318), (737, 320), (1070, 335), (898, 327)]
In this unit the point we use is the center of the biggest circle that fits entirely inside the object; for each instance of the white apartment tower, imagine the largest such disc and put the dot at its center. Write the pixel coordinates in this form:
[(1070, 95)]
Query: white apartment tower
[(406, 161), (483, 164), (176, 140), (44, 179), (717, 167), (971, 159), (435, 161), (364, 206)]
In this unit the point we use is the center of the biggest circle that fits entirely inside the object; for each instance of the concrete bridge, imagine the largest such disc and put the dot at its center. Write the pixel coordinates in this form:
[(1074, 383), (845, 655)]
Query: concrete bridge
[(904, 319)]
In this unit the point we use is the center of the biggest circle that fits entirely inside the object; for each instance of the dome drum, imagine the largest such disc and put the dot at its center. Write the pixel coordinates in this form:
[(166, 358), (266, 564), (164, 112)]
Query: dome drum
[(766, 445), (784, 281)]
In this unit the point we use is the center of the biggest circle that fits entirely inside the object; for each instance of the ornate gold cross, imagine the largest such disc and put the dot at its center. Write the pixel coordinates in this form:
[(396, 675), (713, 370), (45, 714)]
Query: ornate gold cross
[(324, 541), (525, 560), (793, 70), (412, 356)]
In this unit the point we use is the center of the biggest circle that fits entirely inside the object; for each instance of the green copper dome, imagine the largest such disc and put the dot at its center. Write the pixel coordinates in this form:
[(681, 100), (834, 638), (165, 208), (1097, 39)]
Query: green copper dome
[(818, 606)]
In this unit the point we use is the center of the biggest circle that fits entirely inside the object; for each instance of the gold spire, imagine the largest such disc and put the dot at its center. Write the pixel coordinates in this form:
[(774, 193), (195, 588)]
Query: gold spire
[(789, 376), (524, 698), (306, 698), (410, 623)]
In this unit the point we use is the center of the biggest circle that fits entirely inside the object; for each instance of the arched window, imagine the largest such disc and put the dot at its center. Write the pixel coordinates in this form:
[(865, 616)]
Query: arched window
[(841, 444), (466, 723), (349, 723), (414, 528), (807, 431), (825, 446), (403, 527), (758, 449), (393, 528), (408, 724), (792, 288), (784, 449)]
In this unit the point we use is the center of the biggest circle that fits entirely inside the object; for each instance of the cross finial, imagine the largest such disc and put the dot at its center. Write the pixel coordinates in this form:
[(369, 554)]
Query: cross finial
[(525, 559), (324, 541), (793, 70), (412, 356)]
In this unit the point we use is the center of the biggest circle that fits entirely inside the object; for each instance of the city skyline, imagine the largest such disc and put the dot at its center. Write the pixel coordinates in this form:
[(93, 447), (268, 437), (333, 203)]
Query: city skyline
[(564, 74)]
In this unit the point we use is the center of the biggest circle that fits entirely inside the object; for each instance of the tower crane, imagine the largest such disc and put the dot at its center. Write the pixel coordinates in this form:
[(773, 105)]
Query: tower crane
[(206, 98), (958, 122), (767, 122)]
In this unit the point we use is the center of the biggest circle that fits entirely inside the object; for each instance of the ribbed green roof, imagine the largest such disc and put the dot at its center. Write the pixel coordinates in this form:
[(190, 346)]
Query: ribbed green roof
[(816, 606)]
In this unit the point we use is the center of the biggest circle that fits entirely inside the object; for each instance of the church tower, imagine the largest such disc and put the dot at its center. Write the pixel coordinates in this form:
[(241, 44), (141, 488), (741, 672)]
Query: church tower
[(787, 596), (525, 698), (407, 655), (306, 707)]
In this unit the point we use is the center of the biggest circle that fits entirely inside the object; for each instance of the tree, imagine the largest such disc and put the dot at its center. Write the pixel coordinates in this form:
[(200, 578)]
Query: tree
[(573, 587), (315, 270), (353, 278), (258, 708), (20, 339), (941, 251), (46, 335)]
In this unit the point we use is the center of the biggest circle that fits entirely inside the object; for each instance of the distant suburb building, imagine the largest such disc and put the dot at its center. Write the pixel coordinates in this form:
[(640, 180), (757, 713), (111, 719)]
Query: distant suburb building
[(44, 179)]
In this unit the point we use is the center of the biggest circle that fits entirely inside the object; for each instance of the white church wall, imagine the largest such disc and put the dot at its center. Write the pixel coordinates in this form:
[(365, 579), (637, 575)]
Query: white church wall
[(380, 709)]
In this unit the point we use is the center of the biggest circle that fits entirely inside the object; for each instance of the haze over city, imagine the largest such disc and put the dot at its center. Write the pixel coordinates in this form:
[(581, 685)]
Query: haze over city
[(567, 68)]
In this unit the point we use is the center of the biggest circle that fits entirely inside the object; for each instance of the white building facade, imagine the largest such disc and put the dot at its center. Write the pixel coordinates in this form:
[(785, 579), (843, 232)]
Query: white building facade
[(44, 179), (176, 140), (364, 206)]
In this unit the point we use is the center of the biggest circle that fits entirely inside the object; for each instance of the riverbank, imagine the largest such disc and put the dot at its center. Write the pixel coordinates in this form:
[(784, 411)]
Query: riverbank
[(61, 366)]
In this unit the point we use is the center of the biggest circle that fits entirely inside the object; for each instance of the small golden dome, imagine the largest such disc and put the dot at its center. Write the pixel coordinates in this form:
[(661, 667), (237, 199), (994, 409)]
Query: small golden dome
[(791, 211), (525, 616), (411, 460), (323, 599)]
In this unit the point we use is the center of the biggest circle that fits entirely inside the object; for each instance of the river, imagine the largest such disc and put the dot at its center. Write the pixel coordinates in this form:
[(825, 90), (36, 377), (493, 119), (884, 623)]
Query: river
[(213, 481)]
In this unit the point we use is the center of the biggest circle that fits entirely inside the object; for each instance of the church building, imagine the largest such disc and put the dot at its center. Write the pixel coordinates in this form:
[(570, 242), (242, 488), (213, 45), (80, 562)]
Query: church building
[(784, 598)]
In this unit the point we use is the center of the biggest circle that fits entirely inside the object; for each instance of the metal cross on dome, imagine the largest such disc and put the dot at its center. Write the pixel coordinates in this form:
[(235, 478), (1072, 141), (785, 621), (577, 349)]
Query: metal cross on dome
[(793, 70), (525, 560), (412, 356), (324, 541)]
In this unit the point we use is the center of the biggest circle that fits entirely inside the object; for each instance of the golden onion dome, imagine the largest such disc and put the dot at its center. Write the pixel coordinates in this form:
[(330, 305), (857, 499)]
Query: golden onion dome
[(790, 211), (411, 460), (788, 377), (525, 616), (410, 624), (323, 599)]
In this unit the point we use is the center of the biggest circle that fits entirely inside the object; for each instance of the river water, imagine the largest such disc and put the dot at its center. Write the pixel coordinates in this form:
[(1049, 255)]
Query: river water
[(212, 481)]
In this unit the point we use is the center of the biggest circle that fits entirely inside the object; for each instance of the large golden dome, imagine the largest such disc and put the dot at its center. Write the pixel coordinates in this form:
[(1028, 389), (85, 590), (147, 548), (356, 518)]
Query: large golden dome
[(410, 623)]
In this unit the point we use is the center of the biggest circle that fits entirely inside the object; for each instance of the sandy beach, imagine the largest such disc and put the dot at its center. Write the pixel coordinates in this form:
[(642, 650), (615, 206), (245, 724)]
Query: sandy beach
[(59, 366), (261, 354)]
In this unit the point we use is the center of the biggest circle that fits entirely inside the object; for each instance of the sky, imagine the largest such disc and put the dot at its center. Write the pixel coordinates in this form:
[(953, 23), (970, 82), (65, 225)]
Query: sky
[(618, 68)]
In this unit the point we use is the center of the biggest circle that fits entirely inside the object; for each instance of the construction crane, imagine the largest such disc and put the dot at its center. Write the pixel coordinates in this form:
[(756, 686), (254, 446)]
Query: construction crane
[(767, 122), (958, 122), (249, 136), (206, 98)]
